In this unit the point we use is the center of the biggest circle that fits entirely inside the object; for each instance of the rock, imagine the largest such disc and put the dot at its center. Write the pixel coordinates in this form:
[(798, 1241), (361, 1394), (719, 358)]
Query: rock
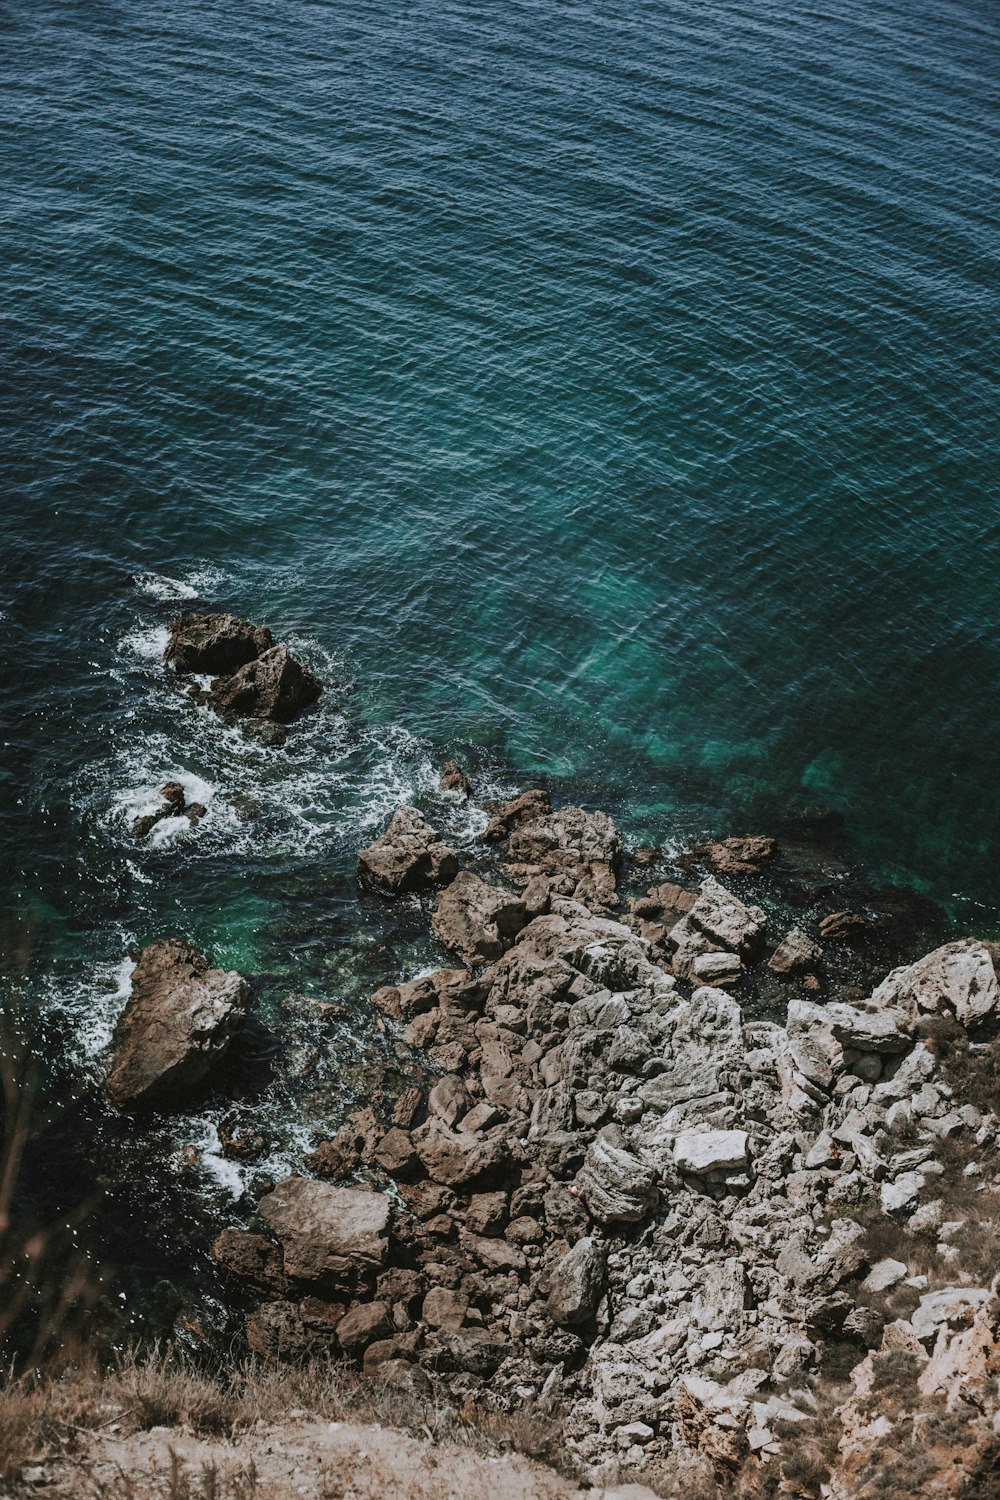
[(408, 856), (700, 1151), (362, 1326), (957, 979), (742, 856), (396, 1156), (179, 1020), (443, 1309), (328, 1231), (214, 644), (615, 1185), (581, 847), (459, 1160), (795, 954), (953, 1307), (478, 921), (275, 687), (718, 919), (531, 804), (449, 1100), (716, 968), (883, 1275), (844, 927), (901, 1193), (454, 779), (252, 1259), (285, 1331), (576, 1284)]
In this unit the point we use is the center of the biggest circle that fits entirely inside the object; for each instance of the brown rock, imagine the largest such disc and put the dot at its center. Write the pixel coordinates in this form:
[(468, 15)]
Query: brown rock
[(173, 795), (458, 1160), (487, 1213), (395, 1154), (363, 1325), (531, 804), (797, 953), (328, 1231), (253, 1259), (479, 921), (406, 1107), (214, 643), (179, 1020), (444, 1309), (742, 856), (844, 926), (454, 779), (275, 687), (449, 1099), (278, 1330), (408, 856)]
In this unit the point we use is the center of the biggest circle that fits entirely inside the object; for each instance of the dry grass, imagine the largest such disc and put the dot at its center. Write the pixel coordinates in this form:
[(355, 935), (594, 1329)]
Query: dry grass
[(44, 1416)]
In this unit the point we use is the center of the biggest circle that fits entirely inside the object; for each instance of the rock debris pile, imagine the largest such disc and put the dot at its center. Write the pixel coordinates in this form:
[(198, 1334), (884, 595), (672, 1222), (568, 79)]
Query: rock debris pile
[(619, 1196)]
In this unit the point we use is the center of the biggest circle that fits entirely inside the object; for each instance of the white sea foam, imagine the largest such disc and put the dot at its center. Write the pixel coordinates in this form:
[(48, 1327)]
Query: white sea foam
[(195, 585), (145, 645), (91, 1006)]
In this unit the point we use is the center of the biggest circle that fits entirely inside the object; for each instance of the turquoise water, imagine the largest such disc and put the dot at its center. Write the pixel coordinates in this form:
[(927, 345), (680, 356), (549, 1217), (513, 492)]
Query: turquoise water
[(607, 392)]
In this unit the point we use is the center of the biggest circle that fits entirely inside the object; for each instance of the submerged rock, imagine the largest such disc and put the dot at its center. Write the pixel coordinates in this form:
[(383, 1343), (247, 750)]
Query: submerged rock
[(214, 644), (179, 1020), (408, 856)]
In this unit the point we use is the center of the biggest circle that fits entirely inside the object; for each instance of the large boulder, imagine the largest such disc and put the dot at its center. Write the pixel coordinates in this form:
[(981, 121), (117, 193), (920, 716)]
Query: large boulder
[(408, 856), (576, 1284), (957, 979), (215, 643), (479, 921), (328, 1232), (581, 849), (179, 1020), (275, 687)]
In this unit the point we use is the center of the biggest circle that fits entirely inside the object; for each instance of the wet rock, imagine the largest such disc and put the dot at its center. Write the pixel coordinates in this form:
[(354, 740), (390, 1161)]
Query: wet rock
[(454, 779), (274, 687), (179, 1020), (253, 1259), (797, 953), (742, 856), (408, 856), (844, 927), (477, 920), (241, 1142), (576, 1283), (214, 644), (532, 804), (325, 1231)]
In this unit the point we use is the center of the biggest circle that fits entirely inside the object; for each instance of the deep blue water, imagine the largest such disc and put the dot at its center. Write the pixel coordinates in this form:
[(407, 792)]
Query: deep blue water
[(604, 391)]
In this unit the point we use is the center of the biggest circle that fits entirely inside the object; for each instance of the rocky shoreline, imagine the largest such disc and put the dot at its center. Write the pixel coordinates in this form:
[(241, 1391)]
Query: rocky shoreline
[(619, 1197)]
